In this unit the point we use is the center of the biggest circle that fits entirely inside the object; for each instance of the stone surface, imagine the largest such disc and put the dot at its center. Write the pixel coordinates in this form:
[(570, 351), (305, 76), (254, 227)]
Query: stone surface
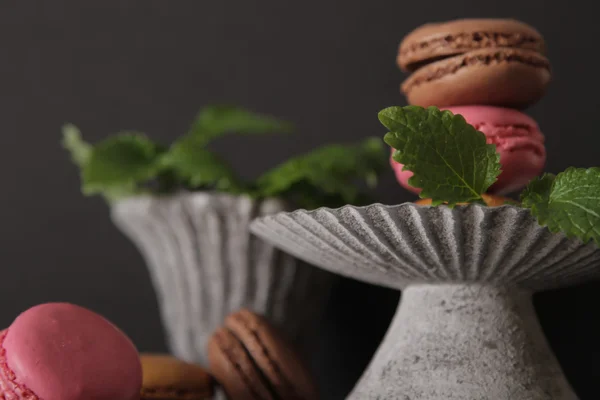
[(204, 264), (465, 328), (464, 342), (394, 246)]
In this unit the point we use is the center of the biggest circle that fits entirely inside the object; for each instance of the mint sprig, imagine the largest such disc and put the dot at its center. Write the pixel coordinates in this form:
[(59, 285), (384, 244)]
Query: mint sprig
[(129, 164), (332, 171), (215, 121), (536, 196), (197, 167), (452, 164), (450, 159), (568, 202), (120, 162), (72, 141)]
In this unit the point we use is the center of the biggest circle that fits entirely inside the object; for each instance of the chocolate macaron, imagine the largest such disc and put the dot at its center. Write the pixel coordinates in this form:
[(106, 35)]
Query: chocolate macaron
[(252, 361), (168, 378), (498, 62)]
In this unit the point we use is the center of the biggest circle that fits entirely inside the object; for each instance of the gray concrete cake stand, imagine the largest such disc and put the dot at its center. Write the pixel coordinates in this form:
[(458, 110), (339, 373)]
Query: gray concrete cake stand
[(466, 327)]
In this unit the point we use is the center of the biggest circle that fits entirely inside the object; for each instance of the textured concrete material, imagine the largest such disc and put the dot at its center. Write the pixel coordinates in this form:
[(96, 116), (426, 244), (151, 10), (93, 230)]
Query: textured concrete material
[(204, 264), (464, 342), (466, 328), (394, 246)]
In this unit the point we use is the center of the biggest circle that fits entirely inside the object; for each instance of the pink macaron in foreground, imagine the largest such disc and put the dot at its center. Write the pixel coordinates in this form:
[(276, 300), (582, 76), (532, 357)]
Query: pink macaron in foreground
[(59, 351), (518, 140)]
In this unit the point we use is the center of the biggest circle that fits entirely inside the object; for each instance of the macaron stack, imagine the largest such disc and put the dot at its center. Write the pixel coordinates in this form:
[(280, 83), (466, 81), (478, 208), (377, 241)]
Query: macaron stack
[(488, 71)]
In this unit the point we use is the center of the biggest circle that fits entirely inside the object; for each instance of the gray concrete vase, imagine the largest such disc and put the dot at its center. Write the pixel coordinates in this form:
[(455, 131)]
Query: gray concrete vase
[(465, 327), (204, 263)]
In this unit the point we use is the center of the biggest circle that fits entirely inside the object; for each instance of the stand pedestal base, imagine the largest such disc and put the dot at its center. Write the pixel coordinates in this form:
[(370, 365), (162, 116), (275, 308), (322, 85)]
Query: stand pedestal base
[(463, 341)]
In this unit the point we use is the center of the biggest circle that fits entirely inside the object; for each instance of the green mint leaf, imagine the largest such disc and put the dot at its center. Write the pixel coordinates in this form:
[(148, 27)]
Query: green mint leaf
[(536, 196), (512, 202), (81, 152), (568, 202), (330, 171), (74, 144), (121, 161), (450, 160), (216, 121), (197, 166), (113, 194)]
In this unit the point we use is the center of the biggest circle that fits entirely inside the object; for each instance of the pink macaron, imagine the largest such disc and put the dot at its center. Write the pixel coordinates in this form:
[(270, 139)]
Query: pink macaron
[(59, 351), (518, 140)]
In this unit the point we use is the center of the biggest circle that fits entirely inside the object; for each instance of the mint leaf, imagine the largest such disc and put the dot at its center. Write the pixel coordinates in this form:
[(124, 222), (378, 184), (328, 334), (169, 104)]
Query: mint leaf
[(114, 193), (568, 202), (450, 159), (130, 164), (197, 166), (536, 196), (216, 121), (81, 153), (304, 172), (72, 142), (329, 171), (121, 161)]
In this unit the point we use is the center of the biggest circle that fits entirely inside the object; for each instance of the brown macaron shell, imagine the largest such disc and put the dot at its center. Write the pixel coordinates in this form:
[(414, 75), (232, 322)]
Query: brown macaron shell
[(277, 359), (434, 41), (234, 369), (251, 360), (167, 378), (500, 77)]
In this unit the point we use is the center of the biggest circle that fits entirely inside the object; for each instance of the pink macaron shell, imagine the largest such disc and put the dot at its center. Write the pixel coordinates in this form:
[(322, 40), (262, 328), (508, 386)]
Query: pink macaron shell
[(60, 351), (9, 389), (518, 140), (519, 167)]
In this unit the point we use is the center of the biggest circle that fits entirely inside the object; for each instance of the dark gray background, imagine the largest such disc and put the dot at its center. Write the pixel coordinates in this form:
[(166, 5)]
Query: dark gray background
[(328, 66)]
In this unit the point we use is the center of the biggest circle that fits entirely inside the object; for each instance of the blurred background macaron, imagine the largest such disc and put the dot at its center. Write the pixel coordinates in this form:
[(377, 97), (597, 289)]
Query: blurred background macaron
[(60, 351), (498, 62), (168, 378), (252, 361)]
